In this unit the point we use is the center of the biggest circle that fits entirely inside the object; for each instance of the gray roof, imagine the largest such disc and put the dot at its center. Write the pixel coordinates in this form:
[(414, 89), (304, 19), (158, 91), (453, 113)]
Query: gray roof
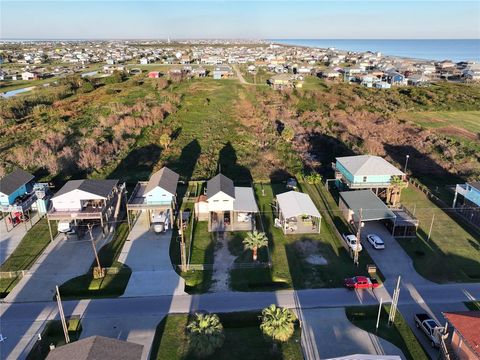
[(12, 181), (372, 207), (220, 183), (97, 348), (294, 203), (475, 184), (97, 187), (244, 200), (367, 165), (165, 178)]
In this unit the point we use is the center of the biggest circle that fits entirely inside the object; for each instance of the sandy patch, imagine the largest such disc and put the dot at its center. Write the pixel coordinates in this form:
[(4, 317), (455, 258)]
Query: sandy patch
[(316, 260), (310, 251)]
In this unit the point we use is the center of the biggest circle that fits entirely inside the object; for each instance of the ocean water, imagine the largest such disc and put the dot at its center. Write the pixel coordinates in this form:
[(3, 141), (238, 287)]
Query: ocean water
[(455, 50)]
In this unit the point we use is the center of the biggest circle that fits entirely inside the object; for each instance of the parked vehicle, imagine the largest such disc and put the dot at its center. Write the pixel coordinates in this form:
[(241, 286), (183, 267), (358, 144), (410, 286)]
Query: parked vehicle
[(430, 327), (352, 242), (161, 222), (361, 282), (376, 241), (66, 227)]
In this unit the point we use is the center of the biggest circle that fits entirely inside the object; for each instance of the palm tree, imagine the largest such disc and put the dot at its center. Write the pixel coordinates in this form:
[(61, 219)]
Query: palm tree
[(206, 334), (254, 241), (278, 323), (396, 184)]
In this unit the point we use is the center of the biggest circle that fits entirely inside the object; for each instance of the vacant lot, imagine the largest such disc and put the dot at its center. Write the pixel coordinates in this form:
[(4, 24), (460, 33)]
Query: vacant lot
[(243, 340), (452, 253)]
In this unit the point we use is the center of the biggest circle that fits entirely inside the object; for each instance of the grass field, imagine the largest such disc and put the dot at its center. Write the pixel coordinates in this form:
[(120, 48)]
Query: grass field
[(243, 340), (399, 334), (447, 122), (112, 285), (453, 252), (29, 249)]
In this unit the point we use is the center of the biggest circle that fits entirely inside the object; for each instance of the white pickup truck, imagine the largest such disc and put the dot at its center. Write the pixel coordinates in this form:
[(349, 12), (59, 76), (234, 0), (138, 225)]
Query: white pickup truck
[(352, 242), (431, 328)]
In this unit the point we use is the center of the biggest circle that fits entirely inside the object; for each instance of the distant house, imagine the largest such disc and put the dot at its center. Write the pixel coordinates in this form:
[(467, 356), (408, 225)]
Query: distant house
[(418, 79), (199, 72), (382, 85), (97, 347), (330, 74), (368, 172), (297, 213), (30, 75), (394, 78), (144, 61), (463, 342), (222, 71), (154, 74), (230, 208), (285, 81), (467, 201), (157, 197)]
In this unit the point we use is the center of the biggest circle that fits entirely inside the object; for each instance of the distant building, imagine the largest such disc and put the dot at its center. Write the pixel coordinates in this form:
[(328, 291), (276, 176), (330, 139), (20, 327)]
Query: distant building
[(463, 342), (153, 74), (222, 71), (467, 201)]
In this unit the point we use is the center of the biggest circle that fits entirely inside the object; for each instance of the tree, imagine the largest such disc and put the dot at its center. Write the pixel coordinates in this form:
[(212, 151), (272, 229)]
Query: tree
[(254, 241), (165, 140), (278, 323), (313, 178), (288, 134), (396, 185), (206, 334)]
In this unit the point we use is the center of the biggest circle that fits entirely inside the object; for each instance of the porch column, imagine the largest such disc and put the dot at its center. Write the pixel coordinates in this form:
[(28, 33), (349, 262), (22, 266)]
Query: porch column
[(102, 225), (128, 220), (455, 199), (50, 229), (319, 224)]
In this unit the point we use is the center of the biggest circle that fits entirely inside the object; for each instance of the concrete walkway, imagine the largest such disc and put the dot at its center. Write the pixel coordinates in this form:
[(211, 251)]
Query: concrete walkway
[(62, 260), (10, 237), (148, 255), (331, 334), (223, 263)]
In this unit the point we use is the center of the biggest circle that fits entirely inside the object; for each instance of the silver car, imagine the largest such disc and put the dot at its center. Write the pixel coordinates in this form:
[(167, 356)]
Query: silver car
[(376, 241)]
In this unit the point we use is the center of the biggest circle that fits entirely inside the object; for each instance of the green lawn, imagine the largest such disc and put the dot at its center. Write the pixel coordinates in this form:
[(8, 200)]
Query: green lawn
[(399, 333), (112, 285), (29, 249), (53, 334), (243, 340), (290, 269), (453, 252), (473, 305)]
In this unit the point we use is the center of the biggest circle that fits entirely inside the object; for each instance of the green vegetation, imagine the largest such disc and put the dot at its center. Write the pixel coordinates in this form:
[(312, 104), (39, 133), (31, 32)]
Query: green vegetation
[(29, 249), (473, 305), (453, 251), (205, 334), (113, 284), (243, 340), (53, 334), (253, 241), (399, 333), (278, 323)]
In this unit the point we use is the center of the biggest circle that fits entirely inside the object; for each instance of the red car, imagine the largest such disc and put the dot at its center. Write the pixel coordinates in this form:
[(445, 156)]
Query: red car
[(361, 282)]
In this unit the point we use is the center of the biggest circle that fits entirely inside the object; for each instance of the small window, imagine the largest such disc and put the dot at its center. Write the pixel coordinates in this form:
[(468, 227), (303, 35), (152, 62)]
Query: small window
[(364, 179), (225, 200), (215, 200)]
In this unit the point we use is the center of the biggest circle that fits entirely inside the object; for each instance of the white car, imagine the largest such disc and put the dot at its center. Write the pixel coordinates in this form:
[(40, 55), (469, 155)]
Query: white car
[(376, 241), (352, 242)]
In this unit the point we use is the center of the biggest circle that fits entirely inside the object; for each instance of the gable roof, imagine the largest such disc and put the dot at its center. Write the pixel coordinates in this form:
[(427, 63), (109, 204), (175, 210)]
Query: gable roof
[(97, 187), (294, 203), (12, 181), (220, 183), (367, 165), (467, 324), (97, 348), (372, 207), (165, 178)]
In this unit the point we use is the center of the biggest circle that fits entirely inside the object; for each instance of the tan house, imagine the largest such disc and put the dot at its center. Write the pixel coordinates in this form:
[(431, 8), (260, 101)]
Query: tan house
[(464, 340), (284, 81)]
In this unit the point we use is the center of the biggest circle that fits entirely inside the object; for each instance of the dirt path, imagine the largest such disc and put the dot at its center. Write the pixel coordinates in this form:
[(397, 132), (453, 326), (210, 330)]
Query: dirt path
[(223, 263)]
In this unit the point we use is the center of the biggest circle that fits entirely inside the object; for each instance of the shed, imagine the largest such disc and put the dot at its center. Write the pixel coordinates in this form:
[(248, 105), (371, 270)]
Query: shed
[(297, 213)]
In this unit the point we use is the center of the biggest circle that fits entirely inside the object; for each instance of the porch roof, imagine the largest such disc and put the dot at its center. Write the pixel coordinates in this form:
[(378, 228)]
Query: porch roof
[(244, 200), (372, 207), (294, 203)]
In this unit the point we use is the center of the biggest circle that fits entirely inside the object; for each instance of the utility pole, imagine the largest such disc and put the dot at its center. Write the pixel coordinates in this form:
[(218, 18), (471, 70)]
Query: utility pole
[(406, 163), (378, 316), (431, 226), (359, 233), (62, 316), (182, 243), (393, 307), (98, 273)]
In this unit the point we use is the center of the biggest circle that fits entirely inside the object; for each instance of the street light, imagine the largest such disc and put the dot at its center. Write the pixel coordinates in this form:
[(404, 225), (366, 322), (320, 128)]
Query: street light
[(406, 163)]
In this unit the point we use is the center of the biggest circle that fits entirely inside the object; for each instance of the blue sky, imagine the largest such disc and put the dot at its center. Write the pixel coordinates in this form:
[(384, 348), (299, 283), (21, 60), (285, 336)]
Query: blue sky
[(374, 19)]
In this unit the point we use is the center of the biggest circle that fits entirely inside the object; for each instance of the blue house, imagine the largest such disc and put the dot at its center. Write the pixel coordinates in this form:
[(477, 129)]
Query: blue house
[(367, 172), (14, 186), (467, 201), (394, 78), (157, 196)]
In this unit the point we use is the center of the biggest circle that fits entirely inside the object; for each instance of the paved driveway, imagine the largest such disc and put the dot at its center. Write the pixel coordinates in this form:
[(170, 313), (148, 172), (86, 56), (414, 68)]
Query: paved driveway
[(10, 238), (63, 259), (147, 254), (393, 260), (327, 333)]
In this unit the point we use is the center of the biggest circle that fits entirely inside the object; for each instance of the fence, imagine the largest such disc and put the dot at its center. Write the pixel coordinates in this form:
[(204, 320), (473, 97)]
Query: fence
[(206, 267), (13, 274)]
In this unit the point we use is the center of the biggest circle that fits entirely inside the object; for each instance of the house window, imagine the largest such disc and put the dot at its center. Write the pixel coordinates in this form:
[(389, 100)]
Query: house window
[(364, 179), (225, 200), (215, 200)]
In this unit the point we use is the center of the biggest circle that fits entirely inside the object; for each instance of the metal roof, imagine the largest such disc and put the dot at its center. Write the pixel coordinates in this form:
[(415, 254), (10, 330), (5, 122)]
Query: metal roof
[(12, 181), (372, 207), (97, 187), (367, 165), (244, 200), (165, 178), (474, 184), (220, 183), (294, 203), (97, 347)]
